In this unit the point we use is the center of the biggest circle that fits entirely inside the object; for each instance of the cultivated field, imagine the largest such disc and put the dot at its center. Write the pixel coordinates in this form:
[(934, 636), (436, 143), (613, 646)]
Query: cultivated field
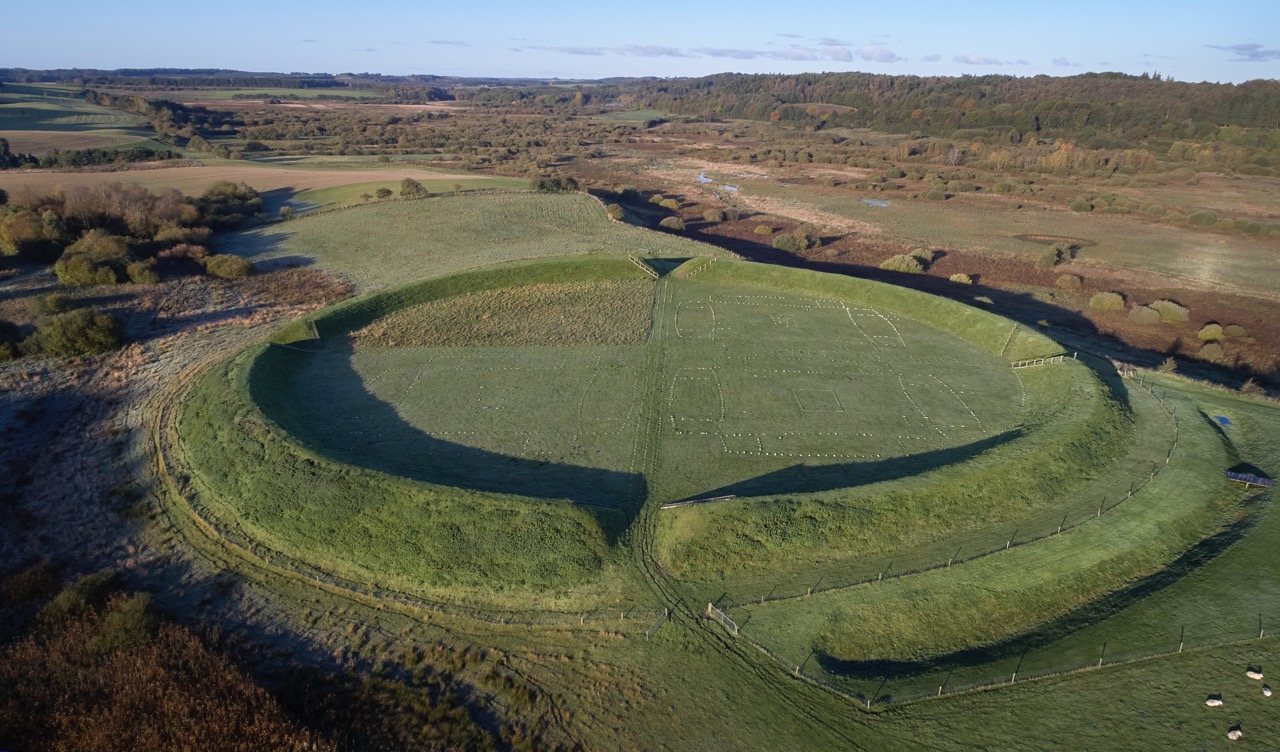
[(37, 119)]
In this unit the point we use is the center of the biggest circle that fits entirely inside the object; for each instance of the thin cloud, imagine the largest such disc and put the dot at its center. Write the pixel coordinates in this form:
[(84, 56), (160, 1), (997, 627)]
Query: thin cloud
[(977, 60), (874, 53), (652, 50), (793, 53), (448, 42), (729, 53), (829, 42), (1247, 53), (931, 58), (309, 41), (591, 51), (1062, 62), (788, 36)]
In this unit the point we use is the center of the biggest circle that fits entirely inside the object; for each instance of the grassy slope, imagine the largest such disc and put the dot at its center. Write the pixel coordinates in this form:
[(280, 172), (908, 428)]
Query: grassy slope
[(1001, 596), (339, 518), (1158, 703), (1054, 475)]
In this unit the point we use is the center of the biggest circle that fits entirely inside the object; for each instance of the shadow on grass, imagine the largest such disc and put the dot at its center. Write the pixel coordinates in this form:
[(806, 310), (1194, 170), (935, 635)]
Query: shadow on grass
[(1103, 608), (799, 479), (612, 497)]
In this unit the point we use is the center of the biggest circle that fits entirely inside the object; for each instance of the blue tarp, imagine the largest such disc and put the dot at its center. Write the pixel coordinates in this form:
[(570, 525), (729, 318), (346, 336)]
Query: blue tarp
[(702, 178), (873, 202), (1222, 420)]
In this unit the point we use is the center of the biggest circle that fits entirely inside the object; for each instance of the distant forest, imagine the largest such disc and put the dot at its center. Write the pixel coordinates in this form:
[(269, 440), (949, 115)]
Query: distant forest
[(1102, 106)]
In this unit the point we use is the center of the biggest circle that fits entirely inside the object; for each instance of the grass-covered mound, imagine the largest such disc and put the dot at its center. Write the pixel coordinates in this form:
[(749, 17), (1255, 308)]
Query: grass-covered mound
[(509, 424)]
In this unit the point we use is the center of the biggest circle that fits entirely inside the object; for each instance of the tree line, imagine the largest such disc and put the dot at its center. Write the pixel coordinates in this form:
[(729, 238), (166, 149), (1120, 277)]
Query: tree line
[(82, 157)]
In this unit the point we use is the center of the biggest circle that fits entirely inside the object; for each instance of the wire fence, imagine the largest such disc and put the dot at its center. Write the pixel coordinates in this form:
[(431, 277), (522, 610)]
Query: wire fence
[(891, 691), (911, 689), (1017, 538)]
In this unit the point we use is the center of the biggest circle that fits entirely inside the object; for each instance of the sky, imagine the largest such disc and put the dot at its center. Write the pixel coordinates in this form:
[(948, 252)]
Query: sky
[(1224, 41)]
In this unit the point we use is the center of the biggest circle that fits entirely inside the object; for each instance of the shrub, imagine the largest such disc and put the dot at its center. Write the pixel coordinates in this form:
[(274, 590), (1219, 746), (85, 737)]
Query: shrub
[(903, 262), (672, 223), (1144, 315), (1210, 332), (936, 194), (1068, 282), (129, 624), (1170, 311), (555, 184), (1211, 352), (763, 230), (49, 304), (80, 332), (923, 255), (9, 347), (185, 251), (1081, 204), (227, 266), (657, 198), (1003, 186), (383, 193), (410, 188), (615, 211), (36, 581), (1049, 259), (1233, 330), (1168, 365), (80, 270), (961, 279), (141, 273), (787, 243), (713, 215), (172, 234), (1203, 217), (1252, 388), (1107, 301), (733, 214), (670, 203), (77, 599)]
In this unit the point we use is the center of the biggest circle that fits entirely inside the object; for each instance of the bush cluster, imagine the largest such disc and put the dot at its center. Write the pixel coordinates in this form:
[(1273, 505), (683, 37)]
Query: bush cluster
[(903, 262), (1107, 301)]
